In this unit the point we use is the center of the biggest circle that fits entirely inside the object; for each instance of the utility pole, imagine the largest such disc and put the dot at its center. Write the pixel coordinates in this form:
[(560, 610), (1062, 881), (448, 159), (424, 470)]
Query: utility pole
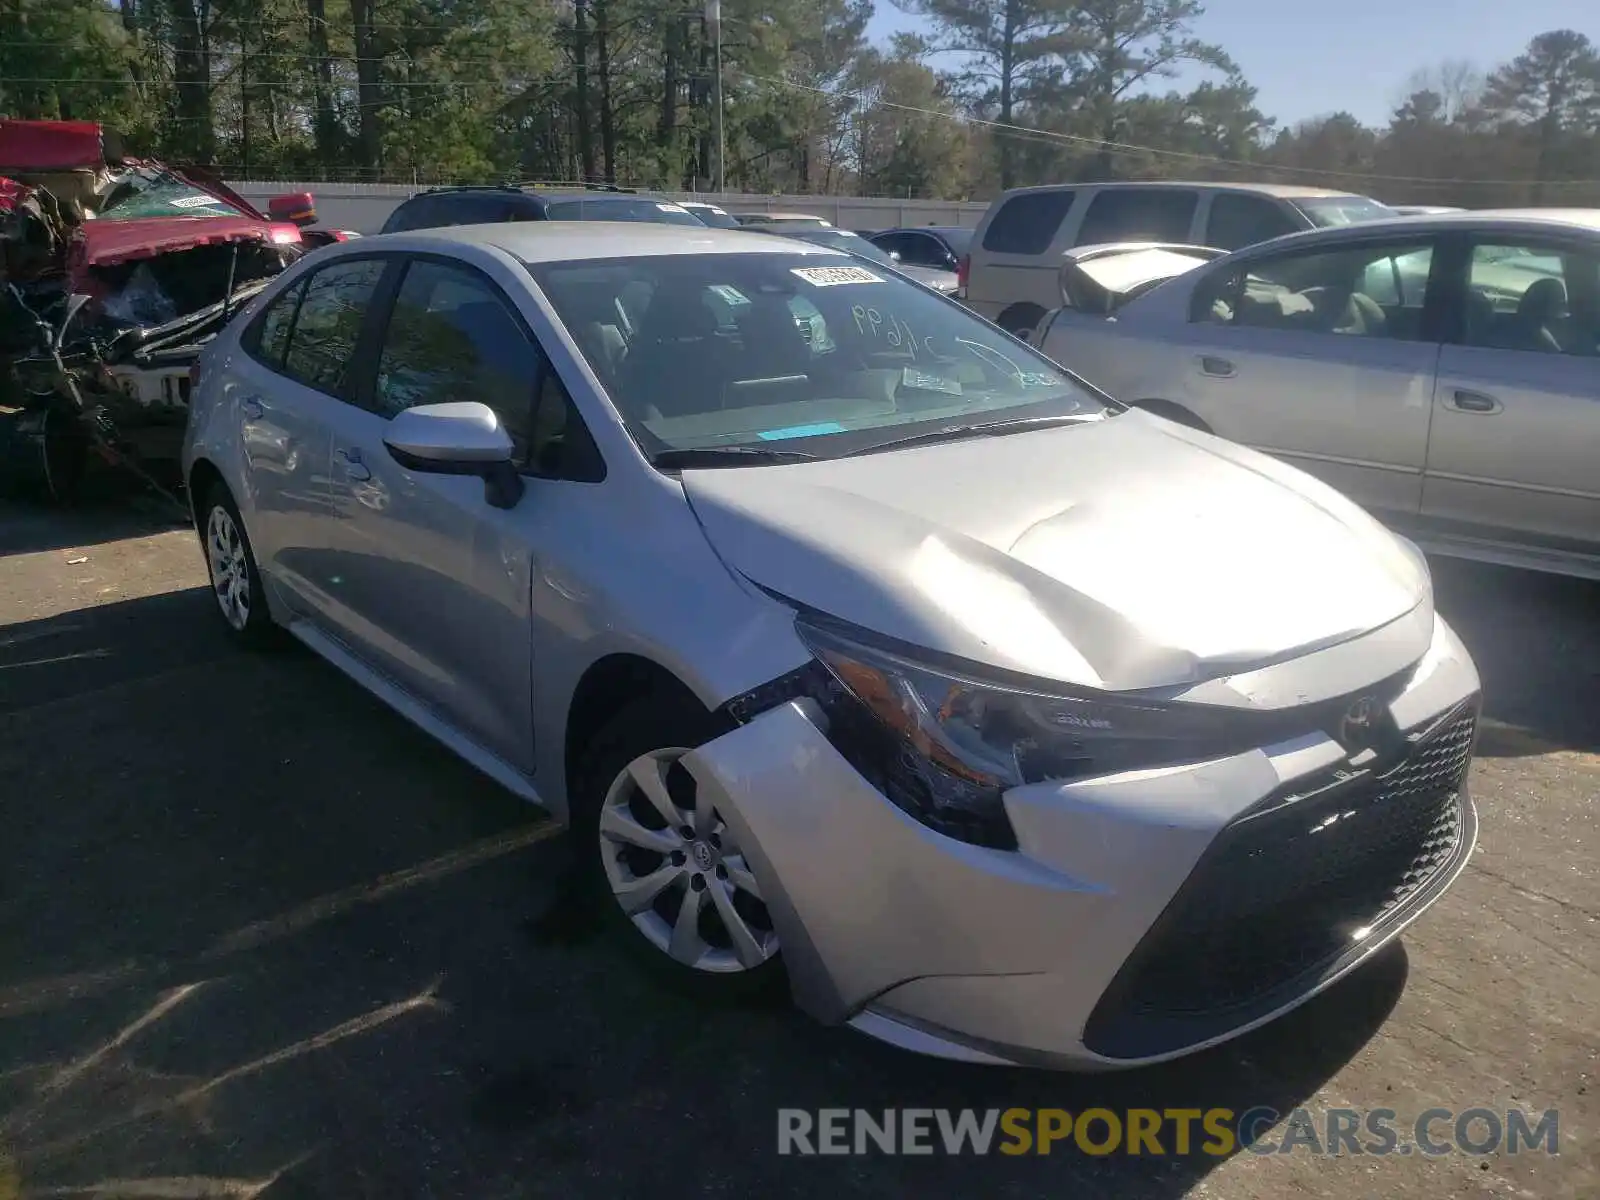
[(714, 19)]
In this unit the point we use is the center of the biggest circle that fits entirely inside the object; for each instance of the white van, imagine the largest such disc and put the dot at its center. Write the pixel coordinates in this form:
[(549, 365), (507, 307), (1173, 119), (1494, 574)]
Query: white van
[(1013, 275)]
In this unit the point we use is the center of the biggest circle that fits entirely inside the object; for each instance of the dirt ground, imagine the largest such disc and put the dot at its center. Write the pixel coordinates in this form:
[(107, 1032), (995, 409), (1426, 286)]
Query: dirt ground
[(259, 937)]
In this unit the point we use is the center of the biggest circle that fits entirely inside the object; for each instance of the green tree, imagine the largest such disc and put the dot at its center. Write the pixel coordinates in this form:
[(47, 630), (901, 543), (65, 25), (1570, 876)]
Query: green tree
[(1553, 89)]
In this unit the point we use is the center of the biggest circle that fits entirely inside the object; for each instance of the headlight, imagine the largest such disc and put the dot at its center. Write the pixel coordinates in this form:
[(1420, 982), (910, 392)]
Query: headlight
[(942, 741)]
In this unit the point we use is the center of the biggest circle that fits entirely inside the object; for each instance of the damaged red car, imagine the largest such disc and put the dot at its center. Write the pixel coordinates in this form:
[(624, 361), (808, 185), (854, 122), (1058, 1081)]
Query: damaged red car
[(114, 273)]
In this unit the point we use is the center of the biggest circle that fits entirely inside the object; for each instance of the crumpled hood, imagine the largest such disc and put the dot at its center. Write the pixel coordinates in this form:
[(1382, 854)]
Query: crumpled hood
[(106, 241), (1124, 554)]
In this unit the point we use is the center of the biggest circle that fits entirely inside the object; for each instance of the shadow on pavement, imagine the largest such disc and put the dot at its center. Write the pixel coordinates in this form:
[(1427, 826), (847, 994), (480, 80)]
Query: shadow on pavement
[(264, 938), (1536, 640), (98, 518)]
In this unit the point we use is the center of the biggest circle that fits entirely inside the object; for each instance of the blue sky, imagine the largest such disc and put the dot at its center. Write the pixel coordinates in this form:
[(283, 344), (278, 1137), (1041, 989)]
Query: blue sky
[(1310, 58)]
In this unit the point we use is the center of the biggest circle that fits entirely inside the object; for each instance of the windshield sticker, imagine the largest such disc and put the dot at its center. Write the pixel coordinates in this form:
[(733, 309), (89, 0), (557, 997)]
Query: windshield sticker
[(797, 431), (673, 208), (195, 202), (924, 382), (1029, 379), (833, 276), (731, 294)]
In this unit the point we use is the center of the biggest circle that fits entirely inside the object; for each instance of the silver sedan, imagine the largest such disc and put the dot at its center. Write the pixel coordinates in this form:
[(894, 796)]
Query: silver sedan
[(865, 652)]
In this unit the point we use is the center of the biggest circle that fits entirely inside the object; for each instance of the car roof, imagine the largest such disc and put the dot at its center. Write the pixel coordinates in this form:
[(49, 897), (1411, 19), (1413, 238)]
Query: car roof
[(565, 241), (1503, 220), (1285, 191)]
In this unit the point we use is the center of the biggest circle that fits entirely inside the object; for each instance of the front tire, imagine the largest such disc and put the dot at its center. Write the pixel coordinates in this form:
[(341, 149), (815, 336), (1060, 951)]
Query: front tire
[(663, 865), (235, 578)]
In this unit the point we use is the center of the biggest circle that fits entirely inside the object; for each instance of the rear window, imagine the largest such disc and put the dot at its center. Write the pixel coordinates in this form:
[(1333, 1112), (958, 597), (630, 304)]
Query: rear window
[(656, 211), (959, 240), (1138, 215), (1027, 223), (1327, 211)]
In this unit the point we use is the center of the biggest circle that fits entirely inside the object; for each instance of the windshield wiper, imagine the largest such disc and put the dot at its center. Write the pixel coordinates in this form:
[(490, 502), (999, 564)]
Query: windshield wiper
[(725, 456), (984, 429)]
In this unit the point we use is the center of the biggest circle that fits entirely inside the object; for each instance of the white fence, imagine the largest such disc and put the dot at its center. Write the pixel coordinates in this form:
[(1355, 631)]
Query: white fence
[(364, 207)]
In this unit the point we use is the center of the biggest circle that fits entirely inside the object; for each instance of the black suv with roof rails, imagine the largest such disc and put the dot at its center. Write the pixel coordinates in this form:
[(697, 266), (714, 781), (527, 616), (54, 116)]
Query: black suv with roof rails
[(488, 205)]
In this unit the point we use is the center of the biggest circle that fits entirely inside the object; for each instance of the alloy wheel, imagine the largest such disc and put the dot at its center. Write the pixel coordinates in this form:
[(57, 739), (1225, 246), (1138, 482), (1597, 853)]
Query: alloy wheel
[(230, 566), (676, 871)]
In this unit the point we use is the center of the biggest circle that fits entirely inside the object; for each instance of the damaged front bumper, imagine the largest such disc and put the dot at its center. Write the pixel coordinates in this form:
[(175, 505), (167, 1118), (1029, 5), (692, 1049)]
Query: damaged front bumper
[(1143, 916)]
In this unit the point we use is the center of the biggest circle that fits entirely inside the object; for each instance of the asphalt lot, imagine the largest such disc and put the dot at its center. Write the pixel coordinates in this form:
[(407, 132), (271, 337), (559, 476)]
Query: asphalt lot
[(259, 937)]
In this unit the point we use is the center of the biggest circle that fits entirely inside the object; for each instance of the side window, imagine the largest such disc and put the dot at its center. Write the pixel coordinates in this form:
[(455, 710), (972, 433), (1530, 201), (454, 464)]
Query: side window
[(1238, 220), (1027, 223), (1527, 297), (334, 305), (1138, 215), (268, 335), (451, 336), (894, 243), (1354, 292)]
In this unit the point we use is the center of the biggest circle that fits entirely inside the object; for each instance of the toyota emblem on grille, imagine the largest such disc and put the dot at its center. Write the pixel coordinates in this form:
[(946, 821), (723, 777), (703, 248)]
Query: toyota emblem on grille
[(1359, 727)]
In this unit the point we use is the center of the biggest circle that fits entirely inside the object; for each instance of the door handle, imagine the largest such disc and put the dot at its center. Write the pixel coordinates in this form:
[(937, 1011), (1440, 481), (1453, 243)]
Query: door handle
[(1219, 368), (251, 407), (351, 466), (1474, 402)]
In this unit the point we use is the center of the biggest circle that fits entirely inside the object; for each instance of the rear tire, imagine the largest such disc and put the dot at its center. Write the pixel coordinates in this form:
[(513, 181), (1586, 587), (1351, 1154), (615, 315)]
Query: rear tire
[(663, 868), (235, 578)]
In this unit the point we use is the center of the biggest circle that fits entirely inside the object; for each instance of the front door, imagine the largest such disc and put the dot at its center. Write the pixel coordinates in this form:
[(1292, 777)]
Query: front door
[(1515, 451), (1326, 359), (434, 582)]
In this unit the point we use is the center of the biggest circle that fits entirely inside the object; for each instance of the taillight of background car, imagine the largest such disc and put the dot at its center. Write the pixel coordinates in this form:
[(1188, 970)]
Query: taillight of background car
[(963, 268)]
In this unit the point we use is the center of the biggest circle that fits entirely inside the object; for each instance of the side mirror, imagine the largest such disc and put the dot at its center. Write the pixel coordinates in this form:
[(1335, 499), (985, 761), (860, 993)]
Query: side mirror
[(298, 208), (461, 438)]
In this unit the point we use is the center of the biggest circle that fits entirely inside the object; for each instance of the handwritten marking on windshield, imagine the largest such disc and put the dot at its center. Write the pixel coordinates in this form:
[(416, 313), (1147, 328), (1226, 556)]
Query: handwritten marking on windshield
[(894, 332)]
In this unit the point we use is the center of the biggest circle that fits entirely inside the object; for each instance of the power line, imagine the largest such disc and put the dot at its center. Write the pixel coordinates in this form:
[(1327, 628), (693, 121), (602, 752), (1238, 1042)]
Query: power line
[(1031, 133)]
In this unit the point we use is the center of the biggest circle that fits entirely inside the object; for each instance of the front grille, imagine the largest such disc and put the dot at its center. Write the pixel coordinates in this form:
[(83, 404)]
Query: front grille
[(1288, 891)]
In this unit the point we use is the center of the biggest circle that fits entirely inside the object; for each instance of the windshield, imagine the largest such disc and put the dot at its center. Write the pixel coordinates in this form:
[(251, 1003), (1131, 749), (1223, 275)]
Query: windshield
[(151, 192), (1327, 211), (656, 211), (710, 214), (841, 239), (800, 352)]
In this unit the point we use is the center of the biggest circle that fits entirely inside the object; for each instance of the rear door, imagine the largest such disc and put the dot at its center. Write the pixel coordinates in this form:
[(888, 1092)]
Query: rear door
[(1515, 449), (288, 383), (1319, 356)]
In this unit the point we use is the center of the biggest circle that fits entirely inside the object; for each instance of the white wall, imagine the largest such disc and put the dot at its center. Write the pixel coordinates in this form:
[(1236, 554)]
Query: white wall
[(364, 207)]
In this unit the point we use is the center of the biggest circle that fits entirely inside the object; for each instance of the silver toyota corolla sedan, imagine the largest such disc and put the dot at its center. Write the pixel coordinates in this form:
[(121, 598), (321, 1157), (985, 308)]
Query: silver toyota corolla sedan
[(863, 650)]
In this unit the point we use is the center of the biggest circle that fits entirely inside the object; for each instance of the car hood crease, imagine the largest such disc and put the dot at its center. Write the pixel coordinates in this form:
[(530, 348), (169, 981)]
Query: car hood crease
[(1123, 554)]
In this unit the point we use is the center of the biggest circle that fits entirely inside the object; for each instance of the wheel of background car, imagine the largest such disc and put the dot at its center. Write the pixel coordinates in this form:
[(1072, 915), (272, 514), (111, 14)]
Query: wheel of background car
[(663, 865), (1175, 413), (231, 564), (1020, 320)]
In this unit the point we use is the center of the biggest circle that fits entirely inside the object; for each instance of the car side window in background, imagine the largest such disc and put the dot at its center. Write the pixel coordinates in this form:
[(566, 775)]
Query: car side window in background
[(1237, 220), (1526, 297), (332, 310), (1027, 223), (268, 336), (1363, 291), (1138, 215)]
